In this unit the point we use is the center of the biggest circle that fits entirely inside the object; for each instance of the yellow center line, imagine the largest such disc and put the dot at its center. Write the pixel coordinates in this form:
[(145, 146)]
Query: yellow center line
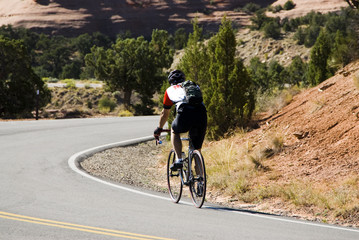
[(83, 228)]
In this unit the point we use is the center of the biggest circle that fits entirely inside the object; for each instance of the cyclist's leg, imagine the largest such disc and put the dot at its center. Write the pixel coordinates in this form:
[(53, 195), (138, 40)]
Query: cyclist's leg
[(180, 124), (199, 127), (198, 132), (176, 143)]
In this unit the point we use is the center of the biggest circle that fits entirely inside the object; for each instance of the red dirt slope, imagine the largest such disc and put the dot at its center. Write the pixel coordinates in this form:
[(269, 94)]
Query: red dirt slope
[(68, 17), (321, 126), (73, 17)]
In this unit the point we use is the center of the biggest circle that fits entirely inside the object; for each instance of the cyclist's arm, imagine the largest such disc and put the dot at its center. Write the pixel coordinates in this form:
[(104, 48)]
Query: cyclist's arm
[(167, 104), (164, 117)]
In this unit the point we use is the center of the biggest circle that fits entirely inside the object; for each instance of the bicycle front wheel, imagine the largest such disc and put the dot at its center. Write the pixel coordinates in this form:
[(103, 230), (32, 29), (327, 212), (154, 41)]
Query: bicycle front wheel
[(198, 181), (174, 181)]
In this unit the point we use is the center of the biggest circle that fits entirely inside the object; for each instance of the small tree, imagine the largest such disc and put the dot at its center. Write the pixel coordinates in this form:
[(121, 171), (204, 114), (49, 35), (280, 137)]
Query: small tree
[(274, 74), (297, 72), (251, 7), (299, 36), (311, 36), (228, 97), (318, 68), (259, 74), (341, 51), (194, 61), (18, 82), (133, 65), (180, 38), (118, 65), (163, 54), (259, 19), (289, 5), (272, 29)]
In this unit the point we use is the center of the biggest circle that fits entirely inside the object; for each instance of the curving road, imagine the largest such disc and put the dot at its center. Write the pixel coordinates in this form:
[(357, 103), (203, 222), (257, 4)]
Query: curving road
[(41, 197)]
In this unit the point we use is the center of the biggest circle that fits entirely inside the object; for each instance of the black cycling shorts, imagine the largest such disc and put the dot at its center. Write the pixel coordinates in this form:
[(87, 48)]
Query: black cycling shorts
[(192, 119)]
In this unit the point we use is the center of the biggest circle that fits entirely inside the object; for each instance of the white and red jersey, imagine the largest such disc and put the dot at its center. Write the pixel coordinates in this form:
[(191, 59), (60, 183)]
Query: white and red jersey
[(175, 94)]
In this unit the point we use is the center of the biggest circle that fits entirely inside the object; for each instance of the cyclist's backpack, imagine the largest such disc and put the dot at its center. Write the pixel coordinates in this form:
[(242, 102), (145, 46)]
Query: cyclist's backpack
[(193, 93)]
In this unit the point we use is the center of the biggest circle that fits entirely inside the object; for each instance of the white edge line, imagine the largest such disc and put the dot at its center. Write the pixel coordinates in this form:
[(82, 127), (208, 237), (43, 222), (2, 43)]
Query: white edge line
[(303, 222), (75, 160)]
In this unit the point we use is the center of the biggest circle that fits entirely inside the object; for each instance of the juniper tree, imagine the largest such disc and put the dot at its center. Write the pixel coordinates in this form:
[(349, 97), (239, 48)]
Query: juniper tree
[(132, 64), (228, 97), (194, 61), (318, 65), (18, 82)]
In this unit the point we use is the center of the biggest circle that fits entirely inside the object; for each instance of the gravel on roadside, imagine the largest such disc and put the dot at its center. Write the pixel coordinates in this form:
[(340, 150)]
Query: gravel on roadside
[(139, 165)]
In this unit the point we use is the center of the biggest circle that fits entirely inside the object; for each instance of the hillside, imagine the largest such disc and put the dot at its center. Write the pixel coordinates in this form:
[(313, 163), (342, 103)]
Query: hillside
[(71, 18), (321, 130), (112, 17), (306, 155)]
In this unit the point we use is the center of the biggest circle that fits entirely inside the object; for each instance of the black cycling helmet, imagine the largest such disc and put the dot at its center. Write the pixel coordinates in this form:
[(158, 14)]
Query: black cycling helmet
[(176, 76)]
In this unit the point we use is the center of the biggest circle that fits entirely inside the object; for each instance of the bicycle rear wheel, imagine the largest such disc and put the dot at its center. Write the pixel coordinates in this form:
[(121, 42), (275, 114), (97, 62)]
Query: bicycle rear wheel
[(174, 181), (198, 182)]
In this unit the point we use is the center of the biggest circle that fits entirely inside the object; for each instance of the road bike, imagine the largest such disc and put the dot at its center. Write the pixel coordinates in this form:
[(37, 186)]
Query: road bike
[(192, 174)]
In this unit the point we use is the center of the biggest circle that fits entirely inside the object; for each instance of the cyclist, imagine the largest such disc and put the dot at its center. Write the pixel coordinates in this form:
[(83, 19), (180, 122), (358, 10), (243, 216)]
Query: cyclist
[(189, 118)]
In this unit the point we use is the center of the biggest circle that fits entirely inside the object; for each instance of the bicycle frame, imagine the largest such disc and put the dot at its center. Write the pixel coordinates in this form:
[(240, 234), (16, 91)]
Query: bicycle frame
[(190, 150), (188, 162), (192, 174)]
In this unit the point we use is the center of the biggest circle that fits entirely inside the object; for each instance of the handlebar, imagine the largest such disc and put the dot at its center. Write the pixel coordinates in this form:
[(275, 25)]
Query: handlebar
[(158, 141)]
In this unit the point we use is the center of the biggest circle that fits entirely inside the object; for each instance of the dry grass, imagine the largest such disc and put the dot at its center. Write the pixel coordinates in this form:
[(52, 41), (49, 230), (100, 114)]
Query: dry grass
[(234, 168), (318, 104), (228, 167), (356, 80), (125, 113), (276, 100), (339, 200)]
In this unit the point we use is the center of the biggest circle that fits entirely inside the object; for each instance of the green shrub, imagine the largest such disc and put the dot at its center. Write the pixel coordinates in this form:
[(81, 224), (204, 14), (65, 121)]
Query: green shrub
[(286, 25), (117, 95), (106, 105), (251, 7), (277, 8), (272, 30), (50, 80), (89, 104), (258, 20), (125, 113), (70, 83), (180, 38), (312, 34), (289, 5)]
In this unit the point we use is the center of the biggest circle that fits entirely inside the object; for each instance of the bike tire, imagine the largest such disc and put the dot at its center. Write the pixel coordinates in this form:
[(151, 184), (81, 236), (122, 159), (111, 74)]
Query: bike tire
[(174, 181), (198, 181)]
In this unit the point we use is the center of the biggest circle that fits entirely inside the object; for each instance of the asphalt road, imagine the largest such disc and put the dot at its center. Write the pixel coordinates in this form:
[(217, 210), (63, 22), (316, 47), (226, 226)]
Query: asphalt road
[(42, 197)]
